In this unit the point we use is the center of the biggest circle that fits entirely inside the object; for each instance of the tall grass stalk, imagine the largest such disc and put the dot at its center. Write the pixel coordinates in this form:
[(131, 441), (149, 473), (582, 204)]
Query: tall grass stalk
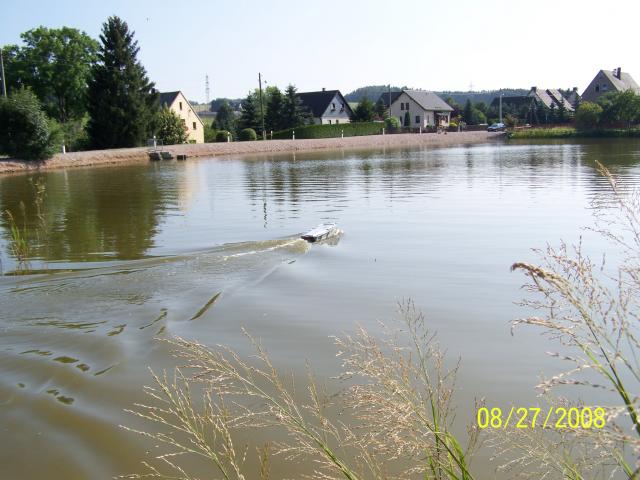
[(19, 242), (399, 398), (592, 308)]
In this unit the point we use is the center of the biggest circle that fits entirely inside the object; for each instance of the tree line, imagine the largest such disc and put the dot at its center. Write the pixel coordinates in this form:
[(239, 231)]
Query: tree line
[(67, 88)]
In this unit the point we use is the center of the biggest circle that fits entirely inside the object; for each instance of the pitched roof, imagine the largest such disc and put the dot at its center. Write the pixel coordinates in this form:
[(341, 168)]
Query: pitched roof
[(625, 82), (551, 97), (318, 102), (428, 100), (385, 97), (167, 98)]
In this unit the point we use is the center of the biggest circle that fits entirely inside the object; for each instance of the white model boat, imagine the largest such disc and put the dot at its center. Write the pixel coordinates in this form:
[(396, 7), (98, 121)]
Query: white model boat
[(320, 232)]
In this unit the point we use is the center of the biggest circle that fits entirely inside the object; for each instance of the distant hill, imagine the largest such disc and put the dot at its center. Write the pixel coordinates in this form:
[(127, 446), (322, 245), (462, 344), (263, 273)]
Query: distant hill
[(485, 96), (372, 92)]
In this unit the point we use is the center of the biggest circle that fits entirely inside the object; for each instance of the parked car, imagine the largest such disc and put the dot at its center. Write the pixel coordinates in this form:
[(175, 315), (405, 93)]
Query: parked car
[(496, 127)]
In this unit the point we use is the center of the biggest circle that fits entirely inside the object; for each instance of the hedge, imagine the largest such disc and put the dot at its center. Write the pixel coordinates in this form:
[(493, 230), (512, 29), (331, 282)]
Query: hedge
[(568, 132), (331, 131)]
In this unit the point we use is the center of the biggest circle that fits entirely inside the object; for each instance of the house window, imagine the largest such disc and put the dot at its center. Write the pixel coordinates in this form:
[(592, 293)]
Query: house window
[(417, 118), (604, 87), (337, 121), (402, 106), (406, 106), (180, 105), (194, 125), (329, 122), (333, 107), (597, 88)]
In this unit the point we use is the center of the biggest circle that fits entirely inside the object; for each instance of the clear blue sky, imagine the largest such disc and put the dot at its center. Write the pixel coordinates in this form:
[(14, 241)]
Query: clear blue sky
[(435, 45)]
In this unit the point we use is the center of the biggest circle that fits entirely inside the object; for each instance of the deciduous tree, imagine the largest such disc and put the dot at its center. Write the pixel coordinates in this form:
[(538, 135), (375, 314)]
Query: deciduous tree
[(171, 129), (588, 115), (55, 63), (25, 131)]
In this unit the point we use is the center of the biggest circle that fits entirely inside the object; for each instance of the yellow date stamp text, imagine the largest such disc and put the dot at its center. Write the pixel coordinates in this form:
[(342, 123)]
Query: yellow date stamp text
[(534, 417)]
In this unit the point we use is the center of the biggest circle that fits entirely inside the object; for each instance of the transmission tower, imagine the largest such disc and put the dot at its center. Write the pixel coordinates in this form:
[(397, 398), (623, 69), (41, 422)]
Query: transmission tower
[(206, 87)]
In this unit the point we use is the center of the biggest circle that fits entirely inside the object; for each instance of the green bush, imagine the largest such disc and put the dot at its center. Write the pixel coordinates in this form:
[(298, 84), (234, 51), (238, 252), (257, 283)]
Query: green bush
[(170, 128), (588, 115), (25, 131), (221, 136), (332, 131), (392, 123), (209, 134), (247, 134)]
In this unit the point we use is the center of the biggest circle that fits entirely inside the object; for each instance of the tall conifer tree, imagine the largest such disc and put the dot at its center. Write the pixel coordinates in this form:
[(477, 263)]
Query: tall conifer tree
[(273, 118), (122, 101), (294, 114)]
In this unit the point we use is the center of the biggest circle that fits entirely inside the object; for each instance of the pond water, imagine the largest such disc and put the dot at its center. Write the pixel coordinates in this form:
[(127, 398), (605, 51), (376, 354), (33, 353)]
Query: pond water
[(134, 252)]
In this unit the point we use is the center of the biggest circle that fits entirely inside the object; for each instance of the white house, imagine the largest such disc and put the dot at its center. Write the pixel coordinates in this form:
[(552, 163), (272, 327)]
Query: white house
[(424, 109), (327, 106), (179, 104)]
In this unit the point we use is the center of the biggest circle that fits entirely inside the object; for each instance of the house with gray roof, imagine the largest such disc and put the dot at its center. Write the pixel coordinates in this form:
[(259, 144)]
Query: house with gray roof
[(607, 81), (178, 104), (551, 98), (424, 109), (326, 106)]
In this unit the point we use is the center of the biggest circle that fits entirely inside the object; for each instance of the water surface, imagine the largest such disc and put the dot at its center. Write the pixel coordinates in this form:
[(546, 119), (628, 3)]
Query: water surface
[(140, 251)]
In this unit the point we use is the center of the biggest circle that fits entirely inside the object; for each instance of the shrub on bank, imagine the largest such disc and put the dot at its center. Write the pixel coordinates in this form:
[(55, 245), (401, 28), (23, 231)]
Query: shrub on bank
[(332, 131), (25, 131), (222, 135), (392, 123), (209, 134), (247, 134)]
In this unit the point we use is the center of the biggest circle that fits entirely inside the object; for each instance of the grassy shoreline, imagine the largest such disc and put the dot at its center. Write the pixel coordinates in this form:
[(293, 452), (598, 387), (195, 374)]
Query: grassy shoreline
[(571, 132)]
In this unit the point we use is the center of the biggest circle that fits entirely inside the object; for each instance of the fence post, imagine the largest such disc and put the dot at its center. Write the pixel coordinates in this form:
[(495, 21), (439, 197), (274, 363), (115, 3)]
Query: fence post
[(383, 130), (294, 135), (271, 134), (64, 150), (342, 133), (228, 137)]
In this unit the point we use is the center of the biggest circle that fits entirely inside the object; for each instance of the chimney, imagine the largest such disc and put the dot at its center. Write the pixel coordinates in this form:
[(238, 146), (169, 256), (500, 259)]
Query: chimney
[(617, 73), (575, 89), (324, 89), (534, 89)]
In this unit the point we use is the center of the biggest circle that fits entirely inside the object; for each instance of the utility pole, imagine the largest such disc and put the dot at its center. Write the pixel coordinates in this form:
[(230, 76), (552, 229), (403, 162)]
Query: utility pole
[(206, 87), (501, 107), (264, 132), (389, 101), (4, 82)]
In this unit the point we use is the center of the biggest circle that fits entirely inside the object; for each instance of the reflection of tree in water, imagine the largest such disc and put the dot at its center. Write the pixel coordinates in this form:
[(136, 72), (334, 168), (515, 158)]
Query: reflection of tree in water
[(90, 214)]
